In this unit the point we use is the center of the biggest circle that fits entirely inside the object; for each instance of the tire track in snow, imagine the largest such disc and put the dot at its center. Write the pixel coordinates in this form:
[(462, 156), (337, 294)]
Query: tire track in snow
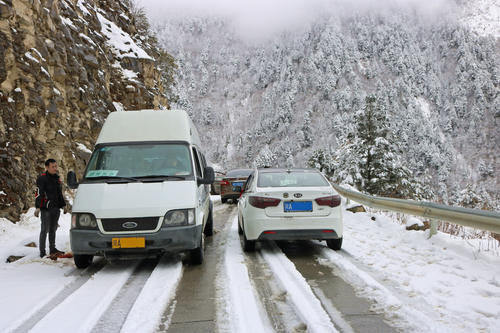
[(80, 311), (244, 311), (44, 309), (307, 306)]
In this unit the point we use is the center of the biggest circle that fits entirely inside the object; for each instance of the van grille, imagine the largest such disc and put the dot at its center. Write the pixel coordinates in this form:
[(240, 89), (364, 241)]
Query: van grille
[(143, 224)]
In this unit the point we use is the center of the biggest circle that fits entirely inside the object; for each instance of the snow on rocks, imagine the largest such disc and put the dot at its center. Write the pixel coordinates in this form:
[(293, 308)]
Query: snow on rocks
[(246, 314)]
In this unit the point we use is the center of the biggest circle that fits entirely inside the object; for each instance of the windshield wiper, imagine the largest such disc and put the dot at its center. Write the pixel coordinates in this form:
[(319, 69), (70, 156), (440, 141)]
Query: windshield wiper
[(162, 177), (114, 177)]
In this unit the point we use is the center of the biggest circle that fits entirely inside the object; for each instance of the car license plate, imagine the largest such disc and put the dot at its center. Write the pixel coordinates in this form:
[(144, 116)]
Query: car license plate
[(236, 184), (128, 243), (298, 206)]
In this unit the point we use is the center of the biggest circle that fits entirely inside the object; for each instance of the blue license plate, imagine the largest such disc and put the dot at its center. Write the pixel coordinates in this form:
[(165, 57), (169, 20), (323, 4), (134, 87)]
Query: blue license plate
[(298, 206), (236, 184)]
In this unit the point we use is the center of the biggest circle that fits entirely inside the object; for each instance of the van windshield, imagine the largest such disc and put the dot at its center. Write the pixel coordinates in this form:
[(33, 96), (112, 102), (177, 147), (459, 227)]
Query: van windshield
[(140, 160)]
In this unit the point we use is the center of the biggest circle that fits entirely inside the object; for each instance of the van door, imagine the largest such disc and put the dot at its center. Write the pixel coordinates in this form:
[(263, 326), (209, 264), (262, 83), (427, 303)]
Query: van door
[(203, 193)]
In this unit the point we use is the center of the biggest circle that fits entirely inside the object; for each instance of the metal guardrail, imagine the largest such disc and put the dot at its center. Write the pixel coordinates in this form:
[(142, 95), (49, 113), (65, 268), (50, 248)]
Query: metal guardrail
[(474, 218)]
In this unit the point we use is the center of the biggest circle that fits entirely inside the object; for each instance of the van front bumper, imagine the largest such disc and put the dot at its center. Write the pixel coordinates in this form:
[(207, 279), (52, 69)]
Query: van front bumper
[(170, 239)]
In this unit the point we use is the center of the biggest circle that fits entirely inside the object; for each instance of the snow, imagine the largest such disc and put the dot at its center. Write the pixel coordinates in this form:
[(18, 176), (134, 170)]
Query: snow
[(30, 57), (87, 38), (483, 16), (130, 75), (154, 298), (118, 106), (83, 148), (61, 132), (56, 91), (10, 100), (18, 90), (45, 71), (439, 284), (3, 193), (246, 313), (120, 40), (82, 7), (69, 23)]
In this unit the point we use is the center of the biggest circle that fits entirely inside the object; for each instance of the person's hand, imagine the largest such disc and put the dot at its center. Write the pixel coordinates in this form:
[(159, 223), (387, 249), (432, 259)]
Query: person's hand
[(65, 209), (37, 212)]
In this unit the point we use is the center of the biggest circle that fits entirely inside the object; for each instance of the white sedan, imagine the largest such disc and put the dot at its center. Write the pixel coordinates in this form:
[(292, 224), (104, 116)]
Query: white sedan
[(289, 204)]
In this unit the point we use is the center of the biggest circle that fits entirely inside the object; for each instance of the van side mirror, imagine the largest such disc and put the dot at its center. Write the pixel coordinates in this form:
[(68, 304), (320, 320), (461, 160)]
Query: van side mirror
[(209, 176), (71, 179)]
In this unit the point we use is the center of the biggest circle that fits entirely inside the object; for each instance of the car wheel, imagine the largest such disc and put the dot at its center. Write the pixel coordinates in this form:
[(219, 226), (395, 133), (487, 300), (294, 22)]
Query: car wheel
[(334, 244), (196, 255), (240, 231), (248, 245), (82, 260), (224, 200), (209, 226)]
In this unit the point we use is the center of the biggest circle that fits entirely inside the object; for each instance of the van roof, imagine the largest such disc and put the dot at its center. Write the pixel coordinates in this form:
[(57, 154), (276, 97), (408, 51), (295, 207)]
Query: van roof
[(148, 125)]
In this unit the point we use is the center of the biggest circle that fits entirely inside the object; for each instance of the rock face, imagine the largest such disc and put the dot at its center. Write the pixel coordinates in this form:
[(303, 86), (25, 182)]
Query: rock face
[(64, 65)]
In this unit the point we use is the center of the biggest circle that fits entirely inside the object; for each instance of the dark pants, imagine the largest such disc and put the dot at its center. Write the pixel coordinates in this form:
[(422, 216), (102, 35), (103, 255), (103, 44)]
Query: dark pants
[(49, 218)]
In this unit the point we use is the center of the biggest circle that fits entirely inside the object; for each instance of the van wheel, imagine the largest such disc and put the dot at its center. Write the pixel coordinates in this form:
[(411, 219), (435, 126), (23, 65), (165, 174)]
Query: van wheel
[(224, 200), (248, 245), (334, 244), (209, 226), (197, 254), (82, 260)]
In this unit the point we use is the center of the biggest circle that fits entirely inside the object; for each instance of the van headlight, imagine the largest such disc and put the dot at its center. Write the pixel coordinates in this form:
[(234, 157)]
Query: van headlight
[(179, 217), (83, 221)]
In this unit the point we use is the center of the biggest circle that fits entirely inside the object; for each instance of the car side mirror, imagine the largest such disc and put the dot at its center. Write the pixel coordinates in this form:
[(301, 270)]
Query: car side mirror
[(209, 176), (71, 179)]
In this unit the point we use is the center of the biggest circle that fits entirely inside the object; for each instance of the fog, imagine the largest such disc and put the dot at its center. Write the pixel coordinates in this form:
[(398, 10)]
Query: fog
[(262, 18)]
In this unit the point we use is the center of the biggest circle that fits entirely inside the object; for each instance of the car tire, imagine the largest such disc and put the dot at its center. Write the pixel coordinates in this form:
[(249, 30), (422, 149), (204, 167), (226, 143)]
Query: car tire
[(334, 244), (224, 200), (240, 231), (248, 245), (83, 260), (212, 190), (209, 226), (197, 254)]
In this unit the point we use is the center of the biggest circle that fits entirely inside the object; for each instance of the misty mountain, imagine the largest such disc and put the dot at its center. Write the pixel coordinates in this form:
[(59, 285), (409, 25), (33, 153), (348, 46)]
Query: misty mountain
[(286, 96)]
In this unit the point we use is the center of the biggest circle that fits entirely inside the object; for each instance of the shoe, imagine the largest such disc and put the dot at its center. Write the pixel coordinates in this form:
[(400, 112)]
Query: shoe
[(56, 251), (42, 254)]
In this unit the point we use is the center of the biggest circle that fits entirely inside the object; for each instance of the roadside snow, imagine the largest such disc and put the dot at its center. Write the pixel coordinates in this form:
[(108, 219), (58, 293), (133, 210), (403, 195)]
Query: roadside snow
[(83, 148), (154, 298), (439, 284), (246, 313)]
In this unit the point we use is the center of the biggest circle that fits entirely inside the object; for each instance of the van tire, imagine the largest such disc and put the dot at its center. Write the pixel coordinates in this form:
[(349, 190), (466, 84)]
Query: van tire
[(209, 226), (83, 260), (196, 255), (334, 244), (224, 200)]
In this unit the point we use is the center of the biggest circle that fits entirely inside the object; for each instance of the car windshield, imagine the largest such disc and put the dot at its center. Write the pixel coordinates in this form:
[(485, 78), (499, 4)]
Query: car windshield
[(291, 179), (140, 160), (240, 173)]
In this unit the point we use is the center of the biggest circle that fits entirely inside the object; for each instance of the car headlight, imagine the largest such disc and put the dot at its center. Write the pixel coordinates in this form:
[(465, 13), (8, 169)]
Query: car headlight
[(83, 221), (179, 217)]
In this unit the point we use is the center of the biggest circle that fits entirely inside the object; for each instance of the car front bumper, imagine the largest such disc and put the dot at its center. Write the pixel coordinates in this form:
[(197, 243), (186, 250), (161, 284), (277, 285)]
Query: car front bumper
[(171, 239)]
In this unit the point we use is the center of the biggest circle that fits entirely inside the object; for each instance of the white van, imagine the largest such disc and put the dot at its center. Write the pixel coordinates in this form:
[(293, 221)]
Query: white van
[(145, 190)]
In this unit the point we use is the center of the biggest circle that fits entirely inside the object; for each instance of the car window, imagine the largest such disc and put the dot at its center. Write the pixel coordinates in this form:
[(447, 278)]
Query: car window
[(197, 163), (291, 179), (249, 182)]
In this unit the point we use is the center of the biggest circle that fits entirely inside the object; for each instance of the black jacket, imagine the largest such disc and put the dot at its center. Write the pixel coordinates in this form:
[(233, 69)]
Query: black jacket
[(48, 192)]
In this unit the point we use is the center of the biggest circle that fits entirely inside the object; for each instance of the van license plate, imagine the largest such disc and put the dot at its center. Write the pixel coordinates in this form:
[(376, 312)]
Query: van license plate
[(128, 243)]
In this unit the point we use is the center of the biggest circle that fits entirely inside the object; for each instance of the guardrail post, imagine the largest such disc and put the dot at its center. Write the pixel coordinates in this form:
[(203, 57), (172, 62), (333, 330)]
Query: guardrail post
[(433, 229)]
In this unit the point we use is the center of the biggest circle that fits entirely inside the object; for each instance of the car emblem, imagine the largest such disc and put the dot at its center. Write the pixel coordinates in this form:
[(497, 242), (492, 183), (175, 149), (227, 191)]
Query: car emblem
[(298, 195), (285, 195), (129, 225)]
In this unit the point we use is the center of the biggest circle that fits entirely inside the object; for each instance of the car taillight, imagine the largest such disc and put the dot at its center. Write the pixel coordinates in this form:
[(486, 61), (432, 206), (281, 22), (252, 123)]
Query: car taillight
[(224, 182), (262, 202), (332, 201)]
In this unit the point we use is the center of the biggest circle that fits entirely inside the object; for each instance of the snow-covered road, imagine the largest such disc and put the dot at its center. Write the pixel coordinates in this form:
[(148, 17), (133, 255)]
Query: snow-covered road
[(400, 281)]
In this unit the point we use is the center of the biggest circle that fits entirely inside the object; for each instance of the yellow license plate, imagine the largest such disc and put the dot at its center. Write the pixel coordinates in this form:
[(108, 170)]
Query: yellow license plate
[(128, 243)]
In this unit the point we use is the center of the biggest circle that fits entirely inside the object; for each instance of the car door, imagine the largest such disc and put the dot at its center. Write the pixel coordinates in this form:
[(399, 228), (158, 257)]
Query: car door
[(243, 201)]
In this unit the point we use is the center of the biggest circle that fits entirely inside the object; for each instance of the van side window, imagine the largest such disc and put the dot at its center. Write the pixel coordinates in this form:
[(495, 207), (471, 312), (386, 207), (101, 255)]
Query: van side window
[(197, 163), (203, 161)]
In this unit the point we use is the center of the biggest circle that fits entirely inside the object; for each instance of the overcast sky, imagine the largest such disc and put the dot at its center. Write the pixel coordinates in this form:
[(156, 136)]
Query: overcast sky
[(265, 17)]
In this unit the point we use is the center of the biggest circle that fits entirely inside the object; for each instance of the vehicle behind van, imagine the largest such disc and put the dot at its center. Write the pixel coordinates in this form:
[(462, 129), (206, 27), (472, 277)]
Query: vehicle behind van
[(145, 190)]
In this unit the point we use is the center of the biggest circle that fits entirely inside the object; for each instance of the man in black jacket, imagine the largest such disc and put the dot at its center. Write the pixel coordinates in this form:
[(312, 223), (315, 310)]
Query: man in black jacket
[(48, 201)]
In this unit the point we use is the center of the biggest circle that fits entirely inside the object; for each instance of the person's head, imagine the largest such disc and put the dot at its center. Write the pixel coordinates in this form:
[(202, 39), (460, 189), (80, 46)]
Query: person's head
[(51, 166)]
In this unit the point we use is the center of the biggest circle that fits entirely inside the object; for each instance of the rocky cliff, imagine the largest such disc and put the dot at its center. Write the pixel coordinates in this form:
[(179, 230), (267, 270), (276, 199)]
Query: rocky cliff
[(64, 65)]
